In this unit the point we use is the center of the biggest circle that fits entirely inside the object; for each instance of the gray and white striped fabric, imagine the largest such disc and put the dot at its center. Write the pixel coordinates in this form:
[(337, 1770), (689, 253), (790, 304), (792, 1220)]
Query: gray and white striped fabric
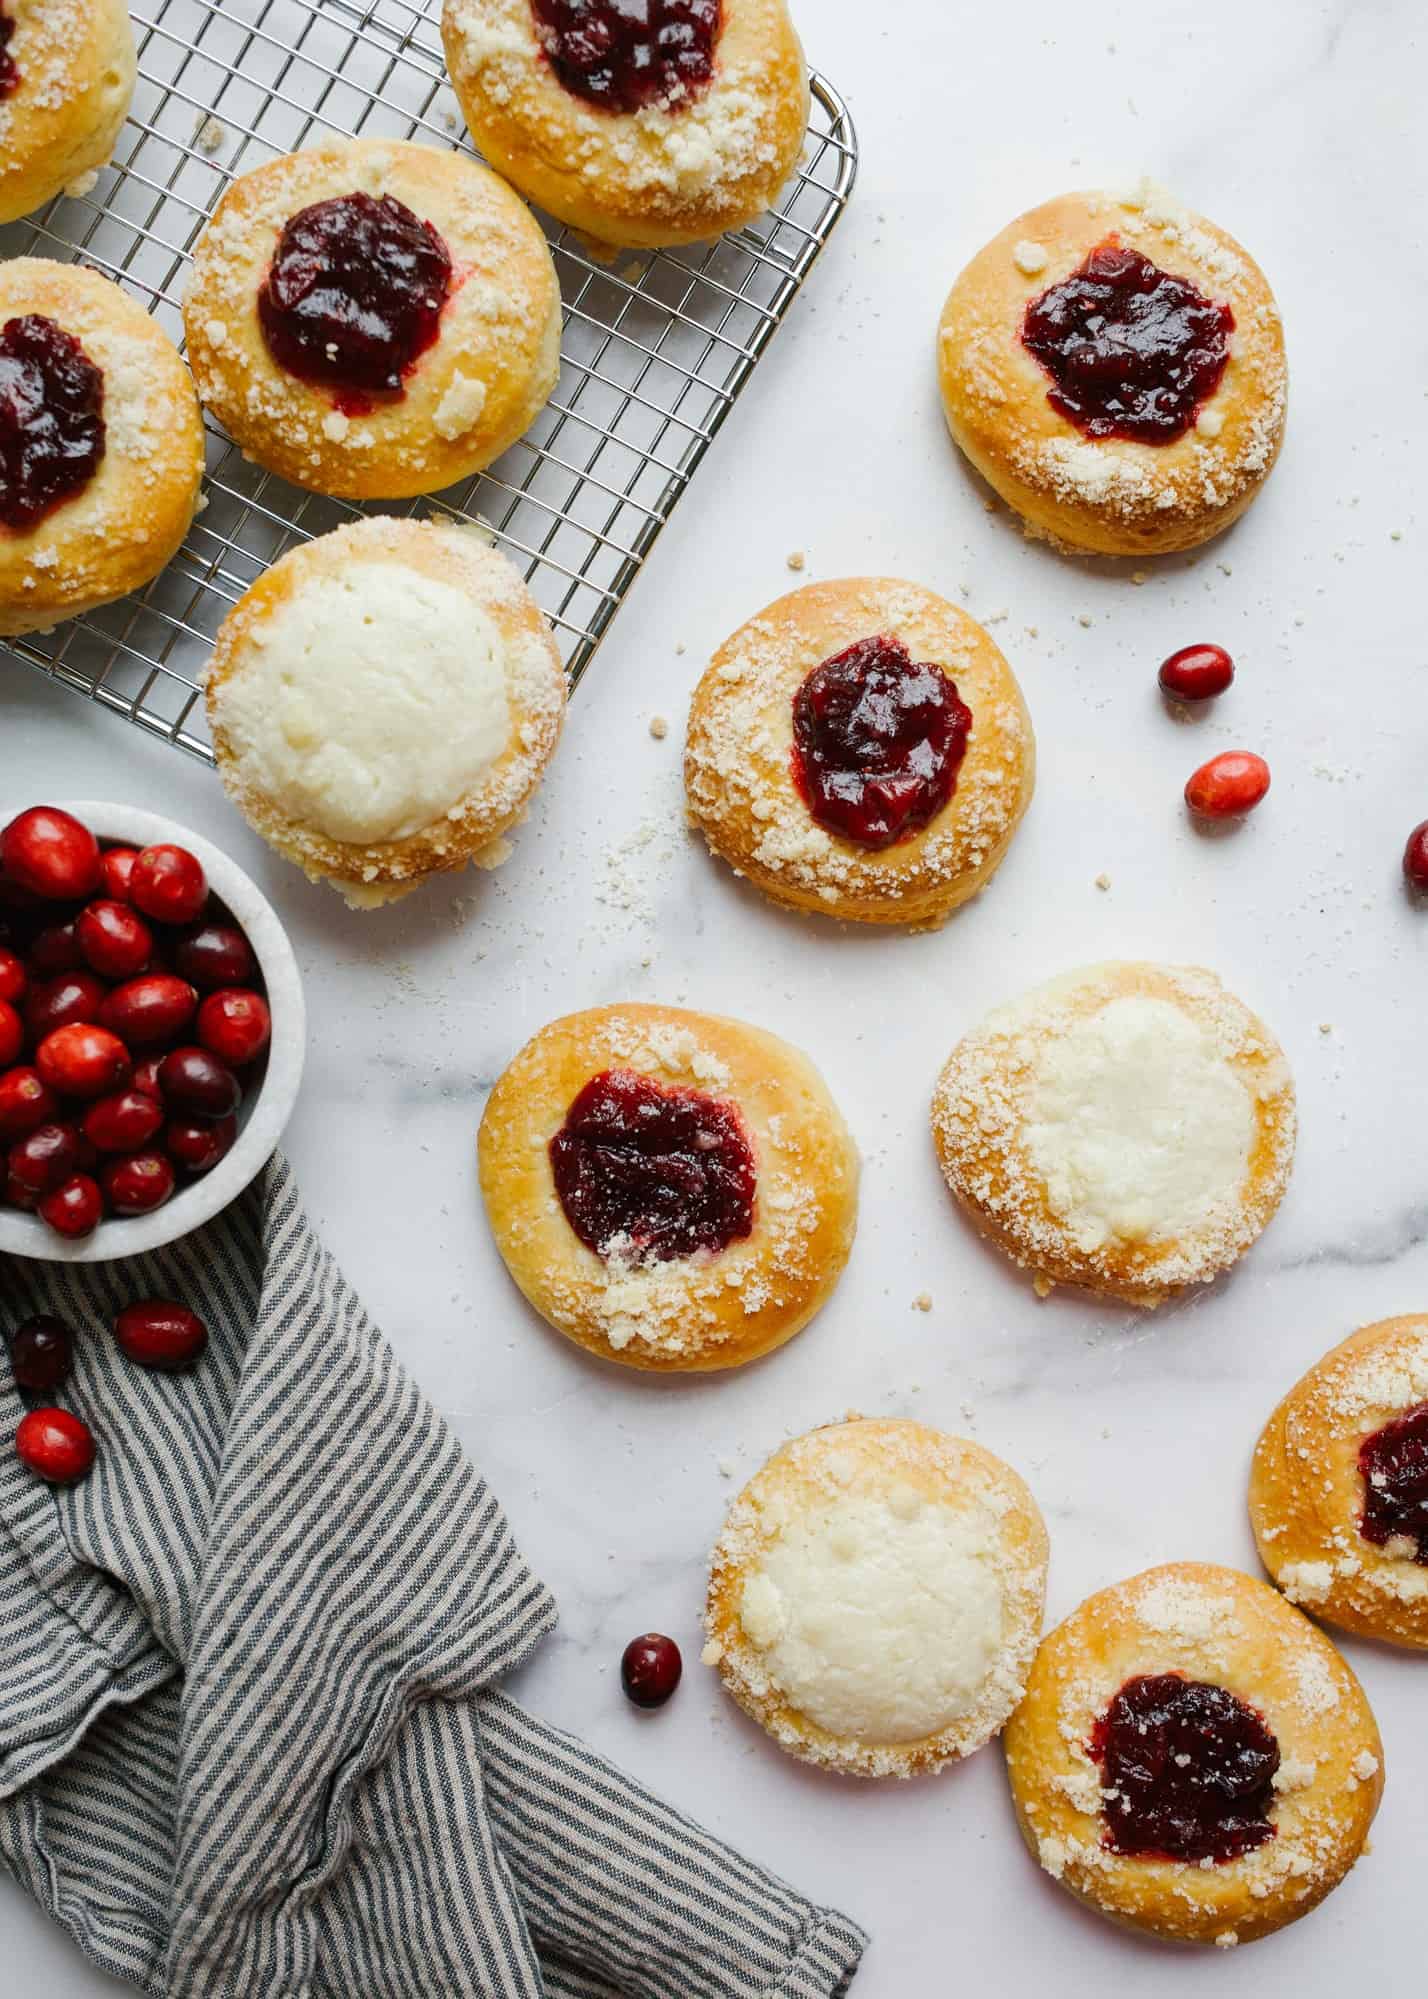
[(251, 1742)]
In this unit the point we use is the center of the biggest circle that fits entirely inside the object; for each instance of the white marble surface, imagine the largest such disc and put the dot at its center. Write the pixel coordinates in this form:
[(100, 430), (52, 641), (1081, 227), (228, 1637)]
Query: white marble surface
[(1293, 124)]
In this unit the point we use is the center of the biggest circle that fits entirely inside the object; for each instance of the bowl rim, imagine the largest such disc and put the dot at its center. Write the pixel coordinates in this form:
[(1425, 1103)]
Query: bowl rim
[(25, 1235)]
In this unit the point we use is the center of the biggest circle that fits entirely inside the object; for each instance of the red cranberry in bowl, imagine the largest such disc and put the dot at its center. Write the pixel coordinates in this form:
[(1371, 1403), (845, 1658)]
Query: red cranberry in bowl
[(155, 1332), (650, 1669), (83, 1061), (235, 1025), (55, 949), (41, 1354), (123, 1122), (168, 884), (197, 1144), (26, 1100), (195, 1081), (1415, 857), (46, 1156), (147, 1011), (214, 955), (1197, 673), (118, 865), (55, 1445), (69, 1000), (12, 1034), (13, 976), (51, 854), (137, 1183), (113, 939), (146, 1077), (16, 1196), (75, 1208)]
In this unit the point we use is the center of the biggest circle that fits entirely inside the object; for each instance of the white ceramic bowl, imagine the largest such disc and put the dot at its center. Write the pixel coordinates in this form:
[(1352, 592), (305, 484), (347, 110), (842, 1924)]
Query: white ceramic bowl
[(261, 1117)]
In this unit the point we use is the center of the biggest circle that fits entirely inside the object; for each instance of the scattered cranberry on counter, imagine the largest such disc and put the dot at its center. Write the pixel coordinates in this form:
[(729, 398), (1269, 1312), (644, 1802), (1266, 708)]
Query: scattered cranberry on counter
[(113, 939), (1415, 857), (55, 1445), (124, 1121), (234, 1025), (83, 1061), (1228, 785), (155, 1332), (118, 865), (1197, 673), (168, 883), (195, 1081), (199, 1143), (650, 1669), (149, 1010), (214, 955), (50, 853), (41, 1354), (12, 1034), (74, 1209)]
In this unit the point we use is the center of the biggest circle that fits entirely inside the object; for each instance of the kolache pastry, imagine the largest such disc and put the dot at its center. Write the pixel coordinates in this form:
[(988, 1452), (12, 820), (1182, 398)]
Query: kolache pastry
[(67, 70), (1128, 1128), (1113, 366), (373, 319), (862, 749), (383, 703), (668, 1189), (664, 123), (101, 444), (876, 1595), (1339, 1486), (1193, 1758)]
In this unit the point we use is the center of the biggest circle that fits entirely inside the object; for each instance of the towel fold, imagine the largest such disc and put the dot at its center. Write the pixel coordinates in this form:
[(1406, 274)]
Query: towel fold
[(251, 1738)]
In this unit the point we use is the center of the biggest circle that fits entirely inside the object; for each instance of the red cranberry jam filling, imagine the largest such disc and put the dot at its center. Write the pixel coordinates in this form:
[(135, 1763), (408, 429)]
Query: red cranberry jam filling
[(1132, 350), (354, 296), (624, 54), (1187, 1770), (877, 742), (51, 419), (9, 75), (1394, 1464), (667, 1172)]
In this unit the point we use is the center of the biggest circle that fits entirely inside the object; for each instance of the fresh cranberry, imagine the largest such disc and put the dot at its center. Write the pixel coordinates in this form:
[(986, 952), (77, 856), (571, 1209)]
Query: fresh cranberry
[(26, 1100), (1415, 857), (197, 1144), (41, 1354), (650, 1669), (55, 949), (1197, 673), (168, 884), (16, 1196), (149, 1010), (13, 976), (83, 1061), (1228, 786), (1132, 351), (118, 865), (69, 1000), (51, 422), (46, 1156), (621, 56), (124, 1122), (354, 295), (157, 1333), (216, 954), (234, 1025), (75, 1208), (9, 74), (45, 850), (877, 742), (113, 938), (664, 1172), (12, 1034), (146, 1077), (55, 1445), (137, 1183), (1187, 1770), (1394, 1466), (195, 1081)]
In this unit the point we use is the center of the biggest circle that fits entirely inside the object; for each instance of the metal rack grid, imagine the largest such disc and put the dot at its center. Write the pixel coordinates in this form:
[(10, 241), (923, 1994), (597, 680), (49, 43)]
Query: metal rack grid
[(656, 345)]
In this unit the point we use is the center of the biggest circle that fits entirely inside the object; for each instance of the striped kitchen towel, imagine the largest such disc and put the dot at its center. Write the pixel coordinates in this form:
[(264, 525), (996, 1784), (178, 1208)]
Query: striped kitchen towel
[(251, 1740)]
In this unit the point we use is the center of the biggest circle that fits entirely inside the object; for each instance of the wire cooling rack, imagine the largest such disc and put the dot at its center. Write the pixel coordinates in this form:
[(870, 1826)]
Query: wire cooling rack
[(656, 345)]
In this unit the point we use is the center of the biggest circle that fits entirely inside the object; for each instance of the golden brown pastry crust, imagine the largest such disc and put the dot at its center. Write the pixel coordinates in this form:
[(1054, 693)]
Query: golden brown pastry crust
[(1306, 1490), (535, 687), (691, 1313), (1212, 1624), (1111, 496), (979, 1126), (77, 68), (740, 787), (870, 1458), (470, 396), (659, 176), (117, 532)]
